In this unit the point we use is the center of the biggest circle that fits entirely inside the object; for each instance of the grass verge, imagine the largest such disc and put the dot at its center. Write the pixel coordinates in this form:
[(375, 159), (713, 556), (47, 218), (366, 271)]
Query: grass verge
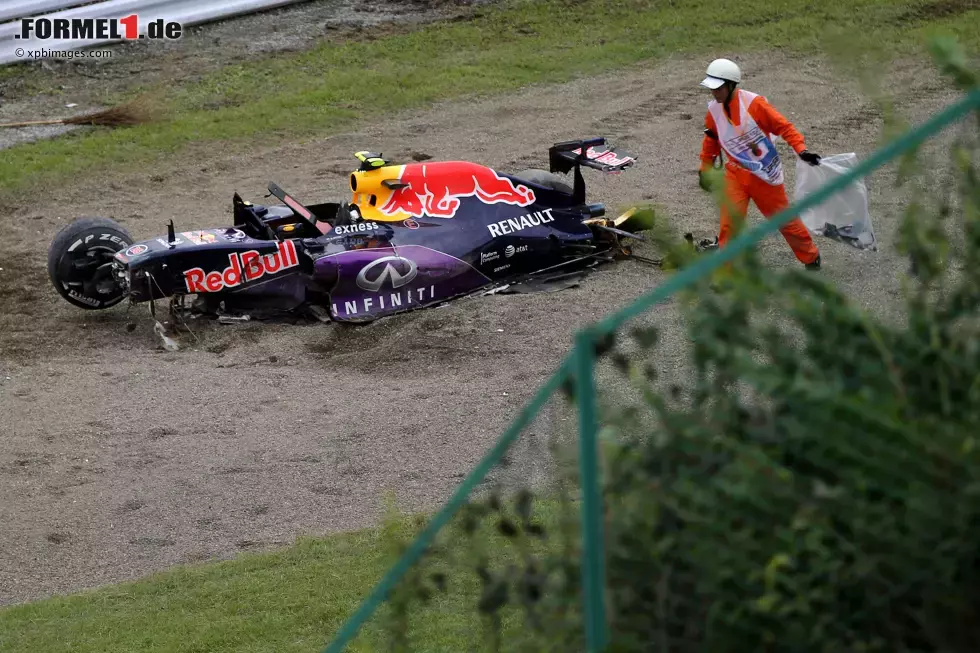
[(521, 42), (286, 601), (291, 600)]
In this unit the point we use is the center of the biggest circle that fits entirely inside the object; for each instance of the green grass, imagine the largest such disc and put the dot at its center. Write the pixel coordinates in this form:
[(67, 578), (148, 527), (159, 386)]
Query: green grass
[(292, 600), (288, 601), (328, 88)]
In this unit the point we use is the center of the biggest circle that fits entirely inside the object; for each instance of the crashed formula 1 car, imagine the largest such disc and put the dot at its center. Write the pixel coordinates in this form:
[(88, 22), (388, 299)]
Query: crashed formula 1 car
[(412, 236)]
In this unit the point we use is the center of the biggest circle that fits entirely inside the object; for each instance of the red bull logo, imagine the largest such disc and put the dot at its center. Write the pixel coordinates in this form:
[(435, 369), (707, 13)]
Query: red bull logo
[(242, 268), (435, 189)]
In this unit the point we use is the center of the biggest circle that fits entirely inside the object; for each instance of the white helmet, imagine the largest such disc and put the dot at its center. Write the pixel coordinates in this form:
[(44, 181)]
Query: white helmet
[(721, 71)]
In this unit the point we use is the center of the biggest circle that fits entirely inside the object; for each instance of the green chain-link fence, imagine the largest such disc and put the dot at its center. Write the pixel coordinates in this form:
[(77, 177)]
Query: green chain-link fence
[(576, 377)]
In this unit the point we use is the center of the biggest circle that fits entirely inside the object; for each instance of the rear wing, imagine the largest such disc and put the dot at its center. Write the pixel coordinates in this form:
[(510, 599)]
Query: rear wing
[(562, 157), (591, 152)]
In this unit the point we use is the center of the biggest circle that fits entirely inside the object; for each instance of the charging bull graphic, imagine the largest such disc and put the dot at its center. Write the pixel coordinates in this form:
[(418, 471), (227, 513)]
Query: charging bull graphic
[(434, 189)]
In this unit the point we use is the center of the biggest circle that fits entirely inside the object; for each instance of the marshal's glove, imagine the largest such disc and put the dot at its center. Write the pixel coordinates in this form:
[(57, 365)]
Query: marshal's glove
[(810, 157)]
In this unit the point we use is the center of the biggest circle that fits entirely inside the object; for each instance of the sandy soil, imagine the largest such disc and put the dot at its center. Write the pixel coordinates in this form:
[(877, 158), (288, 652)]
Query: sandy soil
[(118, 458)]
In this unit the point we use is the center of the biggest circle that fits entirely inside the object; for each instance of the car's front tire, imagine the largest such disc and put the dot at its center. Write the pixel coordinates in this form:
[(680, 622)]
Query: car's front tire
[(80, 262)]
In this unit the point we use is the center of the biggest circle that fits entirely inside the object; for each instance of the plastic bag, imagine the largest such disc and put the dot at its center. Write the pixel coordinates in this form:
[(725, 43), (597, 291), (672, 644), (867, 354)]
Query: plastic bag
[(844, 215)]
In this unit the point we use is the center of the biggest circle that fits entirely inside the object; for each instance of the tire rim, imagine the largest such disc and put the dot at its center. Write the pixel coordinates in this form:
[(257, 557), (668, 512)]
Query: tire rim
[(89, 272)]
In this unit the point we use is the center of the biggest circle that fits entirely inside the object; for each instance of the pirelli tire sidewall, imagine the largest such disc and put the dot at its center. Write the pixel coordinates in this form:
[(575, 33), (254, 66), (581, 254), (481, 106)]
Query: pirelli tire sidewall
[(107, 238)]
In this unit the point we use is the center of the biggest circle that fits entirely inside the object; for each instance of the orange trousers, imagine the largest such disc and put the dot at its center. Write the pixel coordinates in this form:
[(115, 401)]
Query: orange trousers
[(742, 186)]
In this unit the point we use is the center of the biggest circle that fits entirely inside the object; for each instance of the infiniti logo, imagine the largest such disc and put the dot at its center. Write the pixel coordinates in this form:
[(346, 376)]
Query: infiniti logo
[(391, 271)]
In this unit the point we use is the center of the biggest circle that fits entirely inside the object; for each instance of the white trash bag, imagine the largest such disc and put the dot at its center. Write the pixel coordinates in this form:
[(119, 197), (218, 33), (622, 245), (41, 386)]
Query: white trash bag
[(844, 215)]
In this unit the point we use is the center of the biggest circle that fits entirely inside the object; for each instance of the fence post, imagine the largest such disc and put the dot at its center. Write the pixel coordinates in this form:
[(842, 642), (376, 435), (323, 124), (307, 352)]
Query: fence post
[(593, 554)]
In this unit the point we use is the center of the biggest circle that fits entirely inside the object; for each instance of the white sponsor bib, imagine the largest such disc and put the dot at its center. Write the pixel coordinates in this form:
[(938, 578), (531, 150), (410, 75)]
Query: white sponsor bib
[(747, 145)]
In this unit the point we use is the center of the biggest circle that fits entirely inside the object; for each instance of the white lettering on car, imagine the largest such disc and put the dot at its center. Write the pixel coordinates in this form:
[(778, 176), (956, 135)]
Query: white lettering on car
[(393, 299), (520, 223), (359, 227)]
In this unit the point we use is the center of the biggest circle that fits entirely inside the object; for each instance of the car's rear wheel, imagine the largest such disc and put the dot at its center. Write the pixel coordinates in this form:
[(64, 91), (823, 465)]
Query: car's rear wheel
[(546, 179), (80, 262)]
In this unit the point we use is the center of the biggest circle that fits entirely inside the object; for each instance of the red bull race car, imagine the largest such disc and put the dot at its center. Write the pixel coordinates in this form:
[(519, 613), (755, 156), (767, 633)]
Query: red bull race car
[(412, 235)]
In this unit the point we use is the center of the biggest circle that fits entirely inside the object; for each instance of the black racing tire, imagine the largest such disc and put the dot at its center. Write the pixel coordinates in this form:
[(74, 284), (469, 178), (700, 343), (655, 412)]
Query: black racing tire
[(80, 258), (546, 179)]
